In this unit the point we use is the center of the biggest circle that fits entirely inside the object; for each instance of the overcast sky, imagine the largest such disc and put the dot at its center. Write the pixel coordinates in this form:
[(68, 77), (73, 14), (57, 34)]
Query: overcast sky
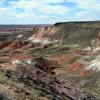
[(48, 11)]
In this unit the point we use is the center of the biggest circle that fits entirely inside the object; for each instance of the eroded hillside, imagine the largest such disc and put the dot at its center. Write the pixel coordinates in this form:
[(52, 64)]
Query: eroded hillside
[(71, 32), (53, 62)]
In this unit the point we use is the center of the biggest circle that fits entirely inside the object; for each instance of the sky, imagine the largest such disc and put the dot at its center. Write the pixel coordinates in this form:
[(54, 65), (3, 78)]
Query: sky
[(48, 11)]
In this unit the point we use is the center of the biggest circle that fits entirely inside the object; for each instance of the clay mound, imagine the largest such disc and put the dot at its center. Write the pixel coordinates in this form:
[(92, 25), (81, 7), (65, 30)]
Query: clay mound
[(16, 45), (4, 59), (4, 44), (64, 57), (61, 58), (27, 46), (84, 73), (19, 56), (76, 66)]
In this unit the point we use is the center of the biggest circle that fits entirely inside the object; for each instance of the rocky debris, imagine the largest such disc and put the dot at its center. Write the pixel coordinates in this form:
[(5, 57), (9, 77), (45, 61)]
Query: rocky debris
[(50, 86), (38, 62), (15, 91), (45, 64)]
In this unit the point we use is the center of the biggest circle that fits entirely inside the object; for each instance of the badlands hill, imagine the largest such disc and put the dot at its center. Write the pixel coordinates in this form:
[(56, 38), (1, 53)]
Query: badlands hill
[(70, 32), (50, 62)]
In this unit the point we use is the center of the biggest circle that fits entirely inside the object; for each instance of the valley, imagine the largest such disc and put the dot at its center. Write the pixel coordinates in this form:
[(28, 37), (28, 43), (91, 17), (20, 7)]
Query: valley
[(50, 62)]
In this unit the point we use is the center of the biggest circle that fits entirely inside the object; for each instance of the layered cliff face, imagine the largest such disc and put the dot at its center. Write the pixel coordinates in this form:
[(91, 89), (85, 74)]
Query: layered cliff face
[(71, 32)]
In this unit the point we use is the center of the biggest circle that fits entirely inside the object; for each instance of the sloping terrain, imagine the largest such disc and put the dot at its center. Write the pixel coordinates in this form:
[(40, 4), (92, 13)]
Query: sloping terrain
[(50, 62), (69, 32)]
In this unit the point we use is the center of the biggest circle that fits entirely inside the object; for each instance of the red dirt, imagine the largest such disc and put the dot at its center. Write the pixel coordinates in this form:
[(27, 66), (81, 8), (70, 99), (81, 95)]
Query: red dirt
[(26, 47), (63, 58), (4, 58), (84, 73), (15, 45), (19, 56), (40, 36), (45, 64), (4, 44), (75, 66), (7, 66)]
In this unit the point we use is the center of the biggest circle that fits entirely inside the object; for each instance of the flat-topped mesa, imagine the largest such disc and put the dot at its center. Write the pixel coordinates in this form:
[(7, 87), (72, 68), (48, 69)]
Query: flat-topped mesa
[(66, 32)]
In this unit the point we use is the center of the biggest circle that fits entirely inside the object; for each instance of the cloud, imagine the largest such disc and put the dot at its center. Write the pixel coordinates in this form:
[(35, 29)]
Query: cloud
[(53, 1), (88, 15), (47, 11), (41, 5), (87, 4), (58, 9), (33, 10), (25, 4), (87, 9)]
